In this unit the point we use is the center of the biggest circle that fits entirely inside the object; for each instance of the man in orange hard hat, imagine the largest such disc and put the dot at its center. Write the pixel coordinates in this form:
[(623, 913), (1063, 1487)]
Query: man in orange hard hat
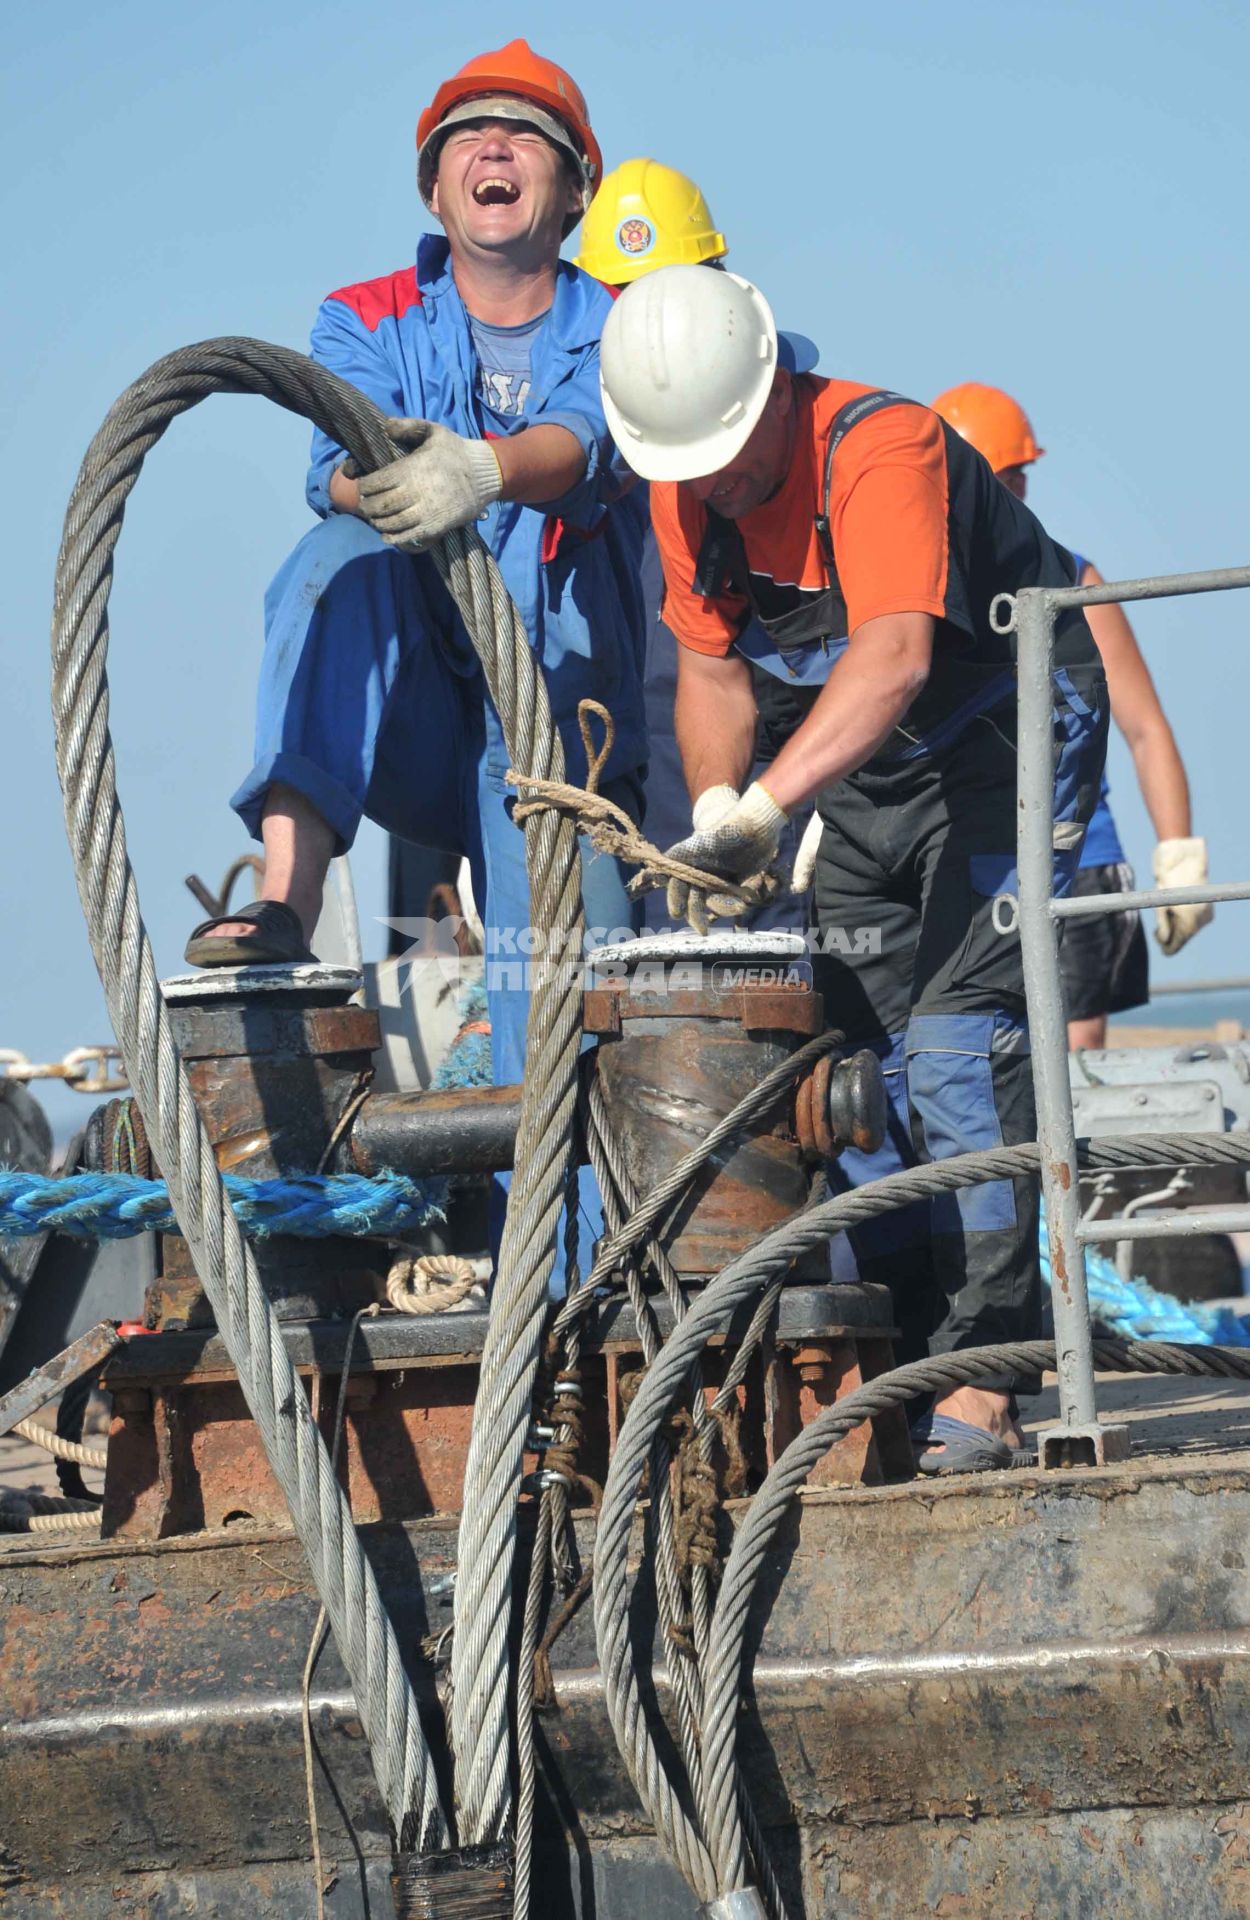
[(372, 701), (1104, 959)]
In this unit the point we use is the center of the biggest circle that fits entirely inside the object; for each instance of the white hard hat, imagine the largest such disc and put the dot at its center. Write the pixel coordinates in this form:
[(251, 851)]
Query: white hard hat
[(686, 366)]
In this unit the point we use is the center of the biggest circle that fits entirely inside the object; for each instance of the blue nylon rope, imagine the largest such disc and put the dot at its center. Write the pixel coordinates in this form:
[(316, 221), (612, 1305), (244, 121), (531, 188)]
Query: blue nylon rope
[(116, 1206), (1137, 1311)]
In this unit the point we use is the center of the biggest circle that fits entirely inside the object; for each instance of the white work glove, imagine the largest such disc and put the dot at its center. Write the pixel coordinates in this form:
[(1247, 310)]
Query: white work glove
[(444, 481), (1180, 863), (713, 805), (743, 843), (805, 859)]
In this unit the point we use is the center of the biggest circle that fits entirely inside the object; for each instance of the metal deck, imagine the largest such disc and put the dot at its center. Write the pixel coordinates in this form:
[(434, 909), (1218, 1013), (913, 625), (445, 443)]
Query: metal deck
[(1049, 1716)]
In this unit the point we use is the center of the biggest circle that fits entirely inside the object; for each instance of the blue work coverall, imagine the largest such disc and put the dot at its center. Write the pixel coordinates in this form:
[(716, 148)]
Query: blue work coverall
[(371, 699)]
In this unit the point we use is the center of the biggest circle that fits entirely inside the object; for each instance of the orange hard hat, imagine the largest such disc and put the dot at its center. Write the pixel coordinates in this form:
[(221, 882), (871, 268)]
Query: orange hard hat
[(516, 72), (992, 422)]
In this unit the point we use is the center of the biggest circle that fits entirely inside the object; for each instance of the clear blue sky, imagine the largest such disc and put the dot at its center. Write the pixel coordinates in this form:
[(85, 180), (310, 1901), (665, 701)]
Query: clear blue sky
[(1050, 198)]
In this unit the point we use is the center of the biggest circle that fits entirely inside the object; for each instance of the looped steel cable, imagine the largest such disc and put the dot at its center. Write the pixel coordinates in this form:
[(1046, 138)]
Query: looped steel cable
[(665, 1379), (106, 884), (722, 1712)]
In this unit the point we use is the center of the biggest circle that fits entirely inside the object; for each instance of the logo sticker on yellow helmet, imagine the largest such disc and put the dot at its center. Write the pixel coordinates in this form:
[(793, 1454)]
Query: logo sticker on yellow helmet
[(635, 237)]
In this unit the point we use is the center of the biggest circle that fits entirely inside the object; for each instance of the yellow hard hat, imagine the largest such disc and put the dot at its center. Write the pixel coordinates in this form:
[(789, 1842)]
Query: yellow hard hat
[(646, 215)]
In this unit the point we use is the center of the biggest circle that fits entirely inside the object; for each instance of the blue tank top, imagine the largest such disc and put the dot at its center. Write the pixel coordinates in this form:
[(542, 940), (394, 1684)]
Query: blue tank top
[(1101, 846)]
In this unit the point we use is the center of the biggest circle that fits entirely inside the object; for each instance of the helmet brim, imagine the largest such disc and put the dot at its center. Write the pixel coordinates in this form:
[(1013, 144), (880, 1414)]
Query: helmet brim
[(695, 459), (504, 106)]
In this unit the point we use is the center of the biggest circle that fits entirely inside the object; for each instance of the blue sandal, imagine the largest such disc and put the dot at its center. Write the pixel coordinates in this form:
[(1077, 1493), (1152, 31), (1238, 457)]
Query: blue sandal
[(947, 1445)]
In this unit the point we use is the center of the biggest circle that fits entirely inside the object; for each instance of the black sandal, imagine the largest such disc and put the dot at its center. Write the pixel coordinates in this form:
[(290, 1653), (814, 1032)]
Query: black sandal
[(278, 939)]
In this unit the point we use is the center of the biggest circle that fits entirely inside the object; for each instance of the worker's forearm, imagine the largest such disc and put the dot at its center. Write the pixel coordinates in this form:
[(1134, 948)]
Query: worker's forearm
[(865, 697), (539, 465), (1164, 787), (714, 719), (1138, 712)]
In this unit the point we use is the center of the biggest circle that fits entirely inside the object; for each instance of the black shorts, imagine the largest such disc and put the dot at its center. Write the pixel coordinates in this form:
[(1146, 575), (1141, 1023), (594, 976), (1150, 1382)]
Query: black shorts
[(1103, 959)]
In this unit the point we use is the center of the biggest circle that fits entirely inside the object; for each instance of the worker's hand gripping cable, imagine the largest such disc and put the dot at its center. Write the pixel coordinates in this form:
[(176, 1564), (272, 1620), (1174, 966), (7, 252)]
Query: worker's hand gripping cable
[(442, 482)]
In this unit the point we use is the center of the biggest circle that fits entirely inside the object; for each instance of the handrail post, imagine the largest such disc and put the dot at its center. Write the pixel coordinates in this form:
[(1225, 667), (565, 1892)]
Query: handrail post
[(1079, 1439)]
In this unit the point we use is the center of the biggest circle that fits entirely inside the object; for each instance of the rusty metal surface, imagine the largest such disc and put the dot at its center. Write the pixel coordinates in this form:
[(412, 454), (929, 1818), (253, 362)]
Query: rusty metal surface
[(1107, 1865), (667, 1081), (289, 1032), (304, 1279), (801, 1379), (272, 1083), (462, 1131), (783, 1008), (274, 1114), (815, 1311), (857, 1104), (87, 1355), (1068, 1656), (187, 1457), (184, 1455), (841, 1103)]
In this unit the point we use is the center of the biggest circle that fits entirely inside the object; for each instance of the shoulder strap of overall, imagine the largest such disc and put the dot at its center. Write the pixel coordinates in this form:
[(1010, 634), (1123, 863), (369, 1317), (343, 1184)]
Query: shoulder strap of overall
[(861, 408), (721, 555), (721, 549)]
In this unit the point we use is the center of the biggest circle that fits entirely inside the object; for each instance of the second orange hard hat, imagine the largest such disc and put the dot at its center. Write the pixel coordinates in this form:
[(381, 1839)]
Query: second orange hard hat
[(992, 422)]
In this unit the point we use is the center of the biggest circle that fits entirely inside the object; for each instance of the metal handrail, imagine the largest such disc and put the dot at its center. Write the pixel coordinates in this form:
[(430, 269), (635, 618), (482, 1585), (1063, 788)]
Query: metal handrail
[(1091, 903), (1231, 983), (1079, 1438), (1180, 1221)]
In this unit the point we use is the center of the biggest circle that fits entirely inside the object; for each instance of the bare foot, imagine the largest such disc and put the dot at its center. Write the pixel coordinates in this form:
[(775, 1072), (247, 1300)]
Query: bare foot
[(298, 847), (229, 929), (981, 1408), (246, 929)]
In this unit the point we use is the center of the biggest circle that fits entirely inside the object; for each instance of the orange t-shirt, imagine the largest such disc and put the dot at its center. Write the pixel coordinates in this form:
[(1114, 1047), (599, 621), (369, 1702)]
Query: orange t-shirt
[(888, 519)]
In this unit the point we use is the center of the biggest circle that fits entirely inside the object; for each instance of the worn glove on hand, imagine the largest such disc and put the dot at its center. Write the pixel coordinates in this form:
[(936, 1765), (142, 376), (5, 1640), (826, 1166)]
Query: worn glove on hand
[(713, 805), (1180, 863), (444, 481), (805, 859), (742, 843)]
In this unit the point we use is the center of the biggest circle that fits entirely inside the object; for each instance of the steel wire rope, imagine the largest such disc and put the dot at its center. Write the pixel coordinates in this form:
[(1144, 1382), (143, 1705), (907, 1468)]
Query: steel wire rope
[(769, 1506), (109, 895), (710, 1312), (660, 1794), (123, 955), (686, 1674), (661, 1797), (753, 1106), (317, 1640), (703, 1423), (479, 1655), (553, 1522)]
